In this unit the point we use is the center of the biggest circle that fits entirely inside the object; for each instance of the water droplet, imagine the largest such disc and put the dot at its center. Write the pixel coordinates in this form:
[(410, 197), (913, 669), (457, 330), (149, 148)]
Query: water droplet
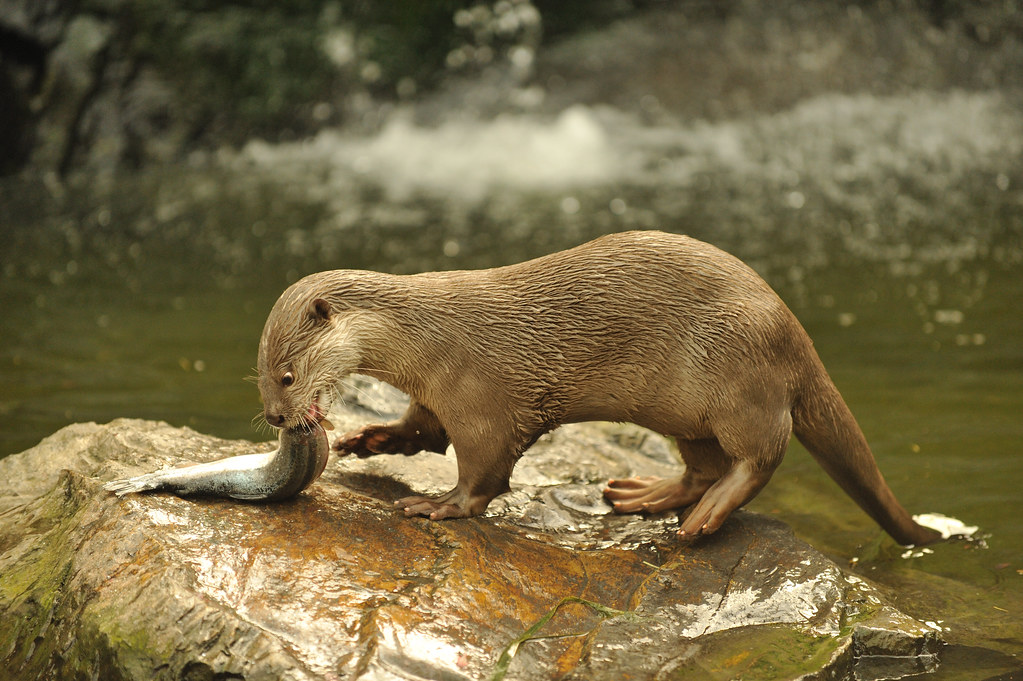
[(452, 248), (371, 72), (322, 111), (406, 88)]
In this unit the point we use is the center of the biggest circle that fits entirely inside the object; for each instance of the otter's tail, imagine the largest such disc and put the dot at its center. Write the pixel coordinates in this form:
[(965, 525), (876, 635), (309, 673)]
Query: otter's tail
[(823, 423)]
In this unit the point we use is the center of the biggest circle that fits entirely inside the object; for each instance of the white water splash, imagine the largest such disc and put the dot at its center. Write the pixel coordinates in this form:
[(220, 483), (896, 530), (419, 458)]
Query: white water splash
[(949, 527), (844, 147)]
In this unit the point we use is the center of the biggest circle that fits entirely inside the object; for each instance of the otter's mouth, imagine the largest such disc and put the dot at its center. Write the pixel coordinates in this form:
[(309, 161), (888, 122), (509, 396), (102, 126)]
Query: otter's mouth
[(318, 409)]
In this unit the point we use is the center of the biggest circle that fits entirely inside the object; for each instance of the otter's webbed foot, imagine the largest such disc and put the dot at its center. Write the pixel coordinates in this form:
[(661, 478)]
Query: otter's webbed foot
[(652, 494), (453, 504), (385, 438), (733, 490)]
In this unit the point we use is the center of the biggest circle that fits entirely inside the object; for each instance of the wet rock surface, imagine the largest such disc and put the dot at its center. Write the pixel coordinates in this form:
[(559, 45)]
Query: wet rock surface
[(338, 584)]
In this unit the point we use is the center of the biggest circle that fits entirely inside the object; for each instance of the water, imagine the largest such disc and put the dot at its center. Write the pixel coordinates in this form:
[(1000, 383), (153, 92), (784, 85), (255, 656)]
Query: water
[(892, 227)]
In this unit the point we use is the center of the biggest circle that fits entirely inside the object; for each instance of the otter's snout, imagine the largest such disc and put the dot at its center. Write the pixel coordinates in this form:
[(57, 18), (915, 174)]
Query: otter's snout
[(273, 418)]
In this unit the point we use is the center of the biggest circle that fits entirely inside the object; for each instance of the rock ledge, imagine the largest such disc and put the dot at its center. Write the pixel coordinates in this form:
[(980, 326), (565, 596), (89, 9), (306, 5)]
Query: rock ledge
[(336, 584)]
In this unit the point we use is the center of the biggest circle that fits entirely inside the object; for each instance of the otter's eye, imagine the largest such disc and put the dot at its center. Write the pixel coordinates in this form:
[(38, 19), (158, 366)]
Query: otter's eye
[(287, 379)]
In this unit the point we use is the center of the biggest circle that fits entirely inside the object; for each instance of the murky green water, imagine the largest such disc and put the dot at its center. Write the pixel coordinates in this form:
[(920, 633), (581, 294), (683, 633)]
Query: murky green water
[(146, 299)]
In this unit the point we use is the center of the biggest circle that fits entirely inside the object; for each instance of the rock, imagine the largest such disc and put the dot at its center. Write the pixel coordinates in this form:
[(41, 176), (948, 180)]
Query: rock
[(338, 584)]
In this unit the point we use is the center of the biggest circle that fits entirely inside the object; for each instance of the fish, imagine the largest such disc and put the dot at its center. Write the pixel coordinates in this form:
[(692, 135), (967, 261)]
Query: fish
[(281, 474)]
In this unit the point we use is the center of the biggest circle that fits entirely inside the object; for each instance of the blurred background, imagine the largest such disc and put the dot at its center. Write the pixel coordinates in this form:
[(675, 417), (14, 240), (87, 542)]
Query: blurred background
[(170, 166)]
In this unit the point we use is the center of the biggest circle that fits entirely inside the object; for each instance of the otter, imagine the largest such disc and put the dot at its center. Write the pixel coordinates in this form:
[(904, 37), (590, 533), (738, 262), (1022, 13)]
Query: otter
[(656, 329)]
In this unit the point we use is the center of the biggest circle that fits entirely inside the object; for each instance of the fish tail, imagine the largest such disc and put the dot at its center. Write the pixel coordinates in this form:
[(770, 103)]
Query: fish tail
[(141, 483)]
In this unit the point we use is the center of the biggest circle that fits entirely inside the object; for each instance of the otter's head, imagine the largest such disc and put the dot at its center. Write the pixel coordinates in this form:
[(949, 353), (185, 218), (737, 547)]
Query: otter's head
[(305, 351)]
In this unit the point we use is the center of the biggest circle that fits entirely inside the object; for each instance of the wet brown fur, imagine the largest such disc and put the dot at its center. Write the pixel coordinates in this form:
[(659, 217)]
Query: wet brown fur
[(655, 329)]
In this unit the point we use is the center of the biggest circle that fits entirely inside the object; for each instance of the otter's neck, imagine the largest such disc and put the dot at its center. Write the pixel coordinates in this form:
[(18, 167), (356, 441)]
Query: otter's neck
[(387, 351)]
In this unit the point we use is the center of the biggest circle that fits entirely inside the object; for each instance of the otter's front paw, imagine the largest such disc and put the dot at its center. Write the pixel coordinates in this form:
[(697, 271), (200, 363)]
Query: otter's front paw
[(430, 508), (372, 440), (454, 504)]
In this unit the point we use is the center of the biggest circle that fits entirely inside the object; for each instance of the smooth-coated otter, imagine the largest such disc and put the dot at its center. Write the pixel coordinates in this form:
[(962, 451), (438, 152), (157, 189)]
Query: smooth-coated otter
[(656, 329)]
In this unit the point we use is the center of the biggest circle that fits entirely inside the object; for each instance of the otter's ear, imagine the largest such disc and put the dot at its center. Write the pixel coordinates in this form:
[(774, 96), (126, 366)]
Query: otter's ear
[(319, 310)]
